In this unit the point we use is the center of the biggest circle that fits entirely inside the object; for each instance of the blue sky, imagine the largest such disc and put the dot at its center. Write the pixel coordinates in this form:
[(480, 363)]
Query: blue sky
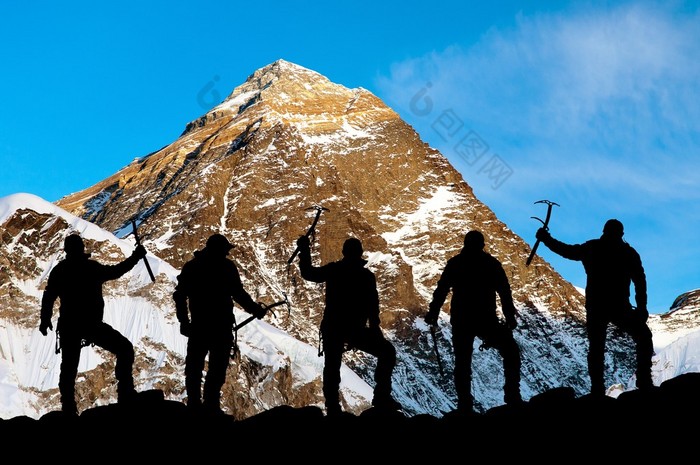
[(593, 105)]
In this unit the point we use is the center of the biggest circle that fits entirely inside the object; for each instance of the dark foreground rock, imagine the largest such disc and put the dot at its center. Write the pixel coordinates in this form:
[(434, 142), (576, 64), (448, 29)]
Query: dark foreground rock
[(638, 424)]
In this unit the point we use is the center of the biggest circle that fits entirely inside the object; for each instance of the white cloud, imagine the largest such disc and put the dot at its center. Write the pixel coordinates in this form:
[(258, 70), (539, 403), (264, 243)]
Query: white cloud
[(595, 109), (622, 83)]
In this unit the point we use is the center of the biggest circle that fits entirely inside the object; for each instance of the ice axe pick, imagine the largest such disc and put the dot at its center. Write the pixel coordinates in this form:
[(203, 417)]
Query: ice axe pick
[(311, 230), (545, 225)]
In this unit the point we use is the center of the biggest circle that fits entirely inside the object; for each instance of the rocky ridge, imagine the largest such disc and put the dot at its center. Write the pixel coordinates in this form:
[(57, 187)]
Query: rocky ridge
[(551, 425)]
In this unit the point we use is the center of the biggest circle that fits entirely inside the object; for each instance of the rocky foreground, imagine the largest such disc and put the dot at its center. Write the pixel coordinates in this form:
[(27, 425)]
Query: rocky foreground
[(660, 422)]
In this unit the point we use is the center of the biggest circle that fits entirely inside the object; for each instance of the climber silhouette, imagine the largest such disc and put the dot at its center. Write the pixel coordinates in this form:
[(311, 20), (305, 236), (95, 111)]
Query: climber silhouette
[(350, 322), (611, 266), (475, 278), (77, 282), (204, 299)]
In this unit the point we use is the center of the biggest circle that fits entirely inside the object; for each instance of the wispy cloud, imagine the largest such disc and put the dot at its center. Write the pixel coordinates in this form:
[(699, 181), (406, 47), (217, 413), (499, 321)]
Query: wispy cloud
[(597, 108), (620, 84)]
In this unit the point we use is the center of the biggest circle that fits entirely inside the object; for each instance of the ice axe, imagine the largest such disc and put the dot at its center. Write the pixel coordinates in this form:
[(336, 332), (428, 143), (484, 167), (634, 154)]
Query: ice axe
[(433, 330), (145, 261), (312, 229), (266, 307), (234, 330), (545, 225)]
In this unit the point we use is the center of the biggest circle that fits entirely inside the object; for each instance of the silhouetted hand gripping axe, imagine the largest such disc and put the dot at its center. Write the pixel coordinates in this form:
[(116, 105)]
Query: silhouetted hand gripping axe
[(312, 229), (234, 346), (545, 225), (145, 260), (266, 307)]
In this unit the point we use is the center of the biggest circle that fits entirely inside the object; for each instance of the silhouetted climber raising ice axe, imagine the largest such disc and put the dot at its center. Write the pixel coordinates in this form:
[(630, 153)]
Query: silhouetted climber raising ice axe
[(611, 266), (77, 282), (350, 322)]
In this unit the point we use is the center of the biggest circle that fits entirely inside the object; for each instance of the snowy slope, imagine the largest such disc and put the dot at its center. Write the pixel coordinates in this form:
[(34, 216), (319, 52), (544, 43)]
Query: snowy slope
[(29, 366)]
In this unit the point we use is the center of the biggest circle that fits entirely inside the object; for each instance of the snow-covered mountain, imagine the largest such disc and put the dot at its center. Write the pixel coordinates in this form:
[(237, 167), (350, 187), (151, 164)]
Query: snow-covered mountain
[(283, 141), (677, 338), (143, 311)]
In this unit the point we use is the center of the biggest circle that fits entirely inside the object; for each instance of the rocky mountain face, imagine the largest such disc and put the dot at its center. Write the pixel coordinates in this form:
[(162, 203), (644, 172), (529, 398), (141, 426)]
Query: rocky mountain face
[(252, 168)]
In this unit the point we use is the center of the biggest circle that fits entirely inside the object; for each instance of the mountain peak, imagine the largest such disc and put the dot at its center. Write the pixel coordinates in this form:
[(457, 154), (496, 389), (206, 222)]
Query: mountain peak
[(287, 93), (274, 76), (286, 69)]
